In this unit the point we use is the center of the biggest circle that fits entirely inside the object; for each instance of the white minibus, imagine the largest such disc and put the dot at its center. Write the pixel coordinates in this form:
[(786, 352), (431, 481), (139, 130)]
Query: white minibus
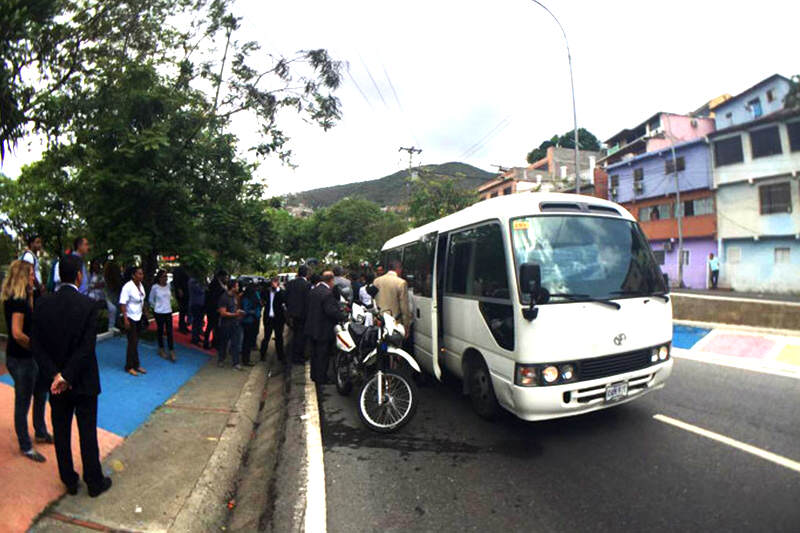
[(545, 304)]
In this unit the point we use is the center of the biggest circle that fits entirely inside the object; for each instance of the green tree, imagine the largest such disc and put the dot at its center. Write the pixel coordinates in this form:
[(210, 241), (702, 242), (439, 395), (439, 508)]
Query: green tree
[(586, 141), (41, 201), (434, 197)]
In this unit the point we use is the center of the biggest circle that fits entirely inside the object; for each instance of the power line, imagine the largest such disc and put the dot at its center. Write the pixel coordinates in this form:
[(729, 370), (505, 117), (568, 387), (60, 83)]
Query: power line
[(374, 83), (482, 141), (391, 85), (359, 88)]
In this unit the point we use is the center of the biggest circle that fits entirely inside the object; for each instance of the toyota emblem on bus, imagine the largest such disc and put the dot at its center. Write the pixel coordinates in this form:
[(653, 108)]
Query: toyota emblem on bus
[(619, 339)]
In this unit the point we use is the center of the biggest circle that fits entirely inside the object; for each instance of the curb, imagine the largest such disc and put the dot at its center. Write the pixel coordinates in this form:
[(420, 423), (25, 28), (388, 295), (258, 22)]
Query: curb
[(206, 508), (315, 514), (738, 327)]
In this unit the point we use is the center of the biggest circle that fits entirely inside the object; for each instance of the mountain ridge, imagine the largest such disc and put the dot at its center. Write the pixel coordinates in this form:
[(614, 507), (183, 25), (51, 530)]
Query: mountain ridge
[(389, 190)]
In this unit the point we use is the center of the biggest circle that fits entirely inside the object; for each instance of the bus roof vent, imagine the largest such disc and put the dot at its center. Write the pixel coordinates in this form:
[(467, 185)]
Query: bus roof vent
[(604, 210), (577, 207), (546, 207)]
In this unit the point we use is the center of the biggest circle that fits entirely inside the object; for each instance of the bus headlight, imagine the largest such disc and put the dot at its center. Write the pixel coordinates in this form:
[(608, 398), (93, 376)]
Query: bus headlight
[(526, 376), (663, 353), (550, 374), (567, 372), (654, 355)]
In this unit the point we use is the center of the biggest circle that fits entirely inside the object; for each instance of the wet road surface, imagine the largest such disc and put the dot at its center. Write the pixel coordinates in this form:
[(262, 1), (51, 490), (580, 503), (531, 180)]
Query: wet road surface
[(616, 469)]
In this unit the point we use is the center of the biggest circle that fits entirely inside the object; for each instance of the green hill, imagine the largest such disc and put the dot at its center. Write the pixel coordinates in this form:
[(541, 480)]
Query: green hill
[(389, 190)]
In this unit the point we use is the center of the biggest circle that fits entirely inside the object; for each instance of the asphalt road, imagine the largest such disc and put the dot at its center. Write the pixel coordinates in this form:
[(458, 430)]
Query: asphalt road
[(614, 470)]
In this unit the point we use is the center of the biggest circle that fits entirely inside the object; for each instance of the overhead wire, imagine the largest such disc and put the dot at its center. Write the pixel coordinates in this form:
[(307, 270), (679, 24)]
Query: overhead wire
[(503, 124)]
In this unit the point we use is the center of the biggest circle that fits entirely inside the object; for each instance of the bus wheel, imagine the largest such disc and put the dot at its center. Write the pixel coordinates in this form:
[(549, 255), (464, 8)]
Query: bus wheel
[(481, 391)]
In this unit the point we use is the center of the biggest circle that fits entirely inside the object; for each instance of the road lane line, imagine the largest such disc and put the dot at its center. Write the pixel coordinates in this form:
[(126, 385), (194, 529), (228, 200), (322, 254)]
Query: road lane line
[(758, 452), (316, 506)]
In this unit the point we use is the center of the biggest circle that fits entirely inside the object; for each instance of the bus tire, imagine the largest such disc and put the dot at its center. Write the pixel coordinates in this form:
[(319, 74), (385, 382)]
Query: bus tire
[(481, 390)]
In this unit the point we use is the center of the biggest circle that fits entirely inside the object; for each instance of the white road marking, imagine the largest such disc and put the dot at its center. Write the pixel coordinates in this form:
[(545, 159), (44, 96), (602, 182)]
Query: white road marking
[(777, 369), (758, 452), (316, 507)]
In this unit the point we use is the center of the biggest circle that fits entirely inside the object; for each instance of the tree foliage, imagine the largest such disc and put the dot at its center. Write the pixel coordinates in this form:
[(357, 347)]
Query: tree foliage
[(586, 141), (792, 100), (135, 100), (433, 197)]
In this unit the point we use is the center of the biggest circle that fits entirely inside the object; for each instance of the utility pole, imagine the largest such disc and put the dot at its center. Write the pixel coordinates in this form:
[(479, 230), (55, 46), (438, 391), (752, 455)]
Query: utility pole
[(411, 151), (679, 214)]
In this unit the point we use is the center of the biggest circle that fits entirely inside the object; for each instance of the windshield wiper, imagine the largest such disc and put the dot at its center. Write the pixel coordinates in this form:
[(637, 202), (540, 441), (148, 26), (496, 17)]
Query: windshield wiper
[(585, 298), (640, 293)]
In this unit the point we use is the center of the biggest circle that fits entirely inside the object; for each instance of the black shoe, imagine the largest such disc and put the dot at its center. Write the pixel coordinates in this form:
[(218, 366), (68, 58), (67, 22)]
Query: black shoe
[(73, 489), (104, 486), (47, 438)]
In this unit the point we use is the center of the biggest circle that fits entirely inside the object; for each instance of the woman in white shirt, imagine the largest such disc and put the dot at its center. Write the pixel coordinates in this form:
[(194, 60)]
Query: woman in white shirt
[(131, 302), (161, 303)]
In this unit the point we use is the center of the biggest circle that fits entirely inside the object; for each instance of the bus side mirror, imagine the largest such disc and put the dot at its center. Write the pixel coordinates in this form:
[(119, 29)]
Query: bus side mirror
[(530, 281)]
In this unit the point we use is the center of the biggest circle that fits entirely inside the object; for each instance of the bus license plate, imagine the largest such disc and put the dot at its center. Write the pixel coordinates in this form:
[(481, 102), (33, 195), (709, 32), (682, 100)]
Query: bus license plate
[(615, 391)]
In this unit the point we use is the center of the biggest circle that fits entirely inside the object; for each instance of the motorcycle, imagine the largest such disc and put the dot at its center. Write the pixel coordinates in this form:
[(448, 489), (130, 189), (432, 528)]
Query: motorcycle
[(371, 355)]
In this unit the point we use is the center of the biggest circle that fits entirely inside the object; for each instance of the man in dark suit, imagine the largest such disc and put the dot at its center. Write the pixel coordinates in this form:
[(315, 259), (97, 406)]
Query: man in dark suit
[(274, 319), (215, 290), (63, 344), (297, 310), (324, 313)]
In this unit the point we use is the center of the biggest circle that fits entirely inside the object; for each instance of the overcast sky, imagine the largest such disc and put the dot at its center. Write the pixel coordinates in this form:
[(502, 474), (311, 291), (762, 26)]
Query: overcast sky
[(485, 82)]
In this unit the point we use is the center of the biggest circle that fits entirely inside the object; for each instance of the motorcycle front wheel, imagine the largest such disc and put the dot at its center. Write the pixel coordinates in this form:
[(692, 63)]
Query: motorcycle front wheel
[(344, 383), (389, 406)]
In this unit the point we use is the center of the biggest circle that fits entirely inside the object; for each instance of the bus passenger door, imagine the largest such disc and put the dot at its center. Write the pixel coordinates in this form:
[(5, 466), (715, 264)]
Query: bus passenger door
[(437, 299)]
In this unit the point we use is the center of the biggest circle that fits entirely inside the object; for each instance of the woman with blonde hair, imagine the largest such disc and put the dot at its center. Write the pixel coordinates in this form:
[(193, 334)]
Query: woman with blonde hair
[(17, 298)]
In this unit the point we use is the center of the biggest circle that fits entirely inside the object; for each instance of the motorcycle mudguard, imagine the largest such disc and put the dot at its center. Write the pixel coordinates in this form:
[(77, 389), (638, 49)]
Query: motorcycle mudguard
[(344, 341), (396, 351)]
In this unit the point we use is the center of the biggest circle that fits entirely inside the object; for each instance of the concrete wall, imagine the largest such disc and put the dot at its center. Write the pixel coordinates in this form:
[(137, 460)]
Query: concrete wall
[(755, 313), (739, 213), (756, 269), (697, 174), (695, 273), (750, 168), (740, 114)]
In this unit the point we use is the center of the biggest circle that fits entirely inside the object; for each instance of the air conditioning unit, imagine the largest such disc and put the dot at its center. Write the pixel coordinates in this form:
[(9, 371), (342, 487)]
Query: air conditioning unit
[(614, 192), (694, 122), (668, 246), (638, 186)]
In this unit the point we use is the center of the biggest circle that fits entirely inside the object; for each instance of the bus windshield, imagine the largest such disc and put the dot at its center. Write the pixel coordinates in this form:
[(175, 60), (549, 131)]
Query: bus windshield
[(586, 256)]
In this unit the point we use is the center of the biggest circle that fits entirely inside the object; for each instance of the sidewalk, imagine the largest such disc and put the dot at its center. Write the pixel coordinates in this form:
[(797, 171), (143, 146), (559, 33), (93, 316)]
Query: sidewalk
[(171, 440), (739, 347)]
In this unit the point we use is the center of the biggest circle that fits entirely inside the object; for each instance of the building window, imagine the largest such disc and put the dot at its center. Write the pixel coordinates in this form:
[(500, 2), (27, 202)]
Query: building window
[(669, 166), (638, 174), (754, 106), (729, 115), (660, 211), (660, 256), (615, 180), (770, 96), (685, 257), (734, 255), (793, 129), (728, 151), (782, 256), (765, 142), (703, 206), (507, 190), (775, 198), (494, 195), (644, 214)]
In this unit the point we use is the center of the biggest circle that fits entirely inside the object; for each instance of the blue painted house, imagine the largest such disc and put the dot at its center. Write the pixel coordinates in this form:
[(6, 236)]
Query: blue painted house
[(645, 185)]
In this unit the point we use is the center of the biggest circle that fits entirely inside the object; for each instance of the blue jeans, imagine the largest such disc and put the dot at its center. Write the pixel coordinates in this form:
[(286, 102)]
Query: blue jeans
[(27, 383), (227, 341)]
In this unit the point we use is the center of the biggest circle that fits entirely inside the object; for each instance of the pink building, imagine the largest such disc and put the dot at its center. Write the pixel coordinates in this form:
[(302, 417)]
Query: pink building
[(659, 131)]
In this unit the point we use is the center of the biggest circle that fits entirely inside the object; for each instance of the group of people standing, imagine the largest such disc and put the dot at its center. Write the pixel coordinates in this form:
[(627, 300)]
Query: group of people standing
[(51, 351), (314, 307)]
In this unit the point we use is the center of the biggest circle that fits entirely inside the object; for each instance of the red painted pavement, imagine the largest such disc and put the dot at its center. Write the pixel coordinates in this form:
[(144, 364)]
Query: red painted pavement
[(184, 339), (27, 487), (748, 346)]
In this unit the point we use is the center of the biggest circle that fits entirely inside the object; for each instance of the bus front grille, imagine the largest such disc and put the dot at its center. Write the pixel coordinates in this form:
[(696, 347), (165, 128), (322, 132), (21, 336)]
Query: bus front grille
[(610, 365)]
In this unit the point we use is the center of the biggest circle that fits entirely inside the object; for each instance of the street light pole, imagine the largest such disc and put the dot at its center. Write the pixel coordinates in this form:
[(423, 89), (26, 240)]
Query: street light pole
[(572, 86)]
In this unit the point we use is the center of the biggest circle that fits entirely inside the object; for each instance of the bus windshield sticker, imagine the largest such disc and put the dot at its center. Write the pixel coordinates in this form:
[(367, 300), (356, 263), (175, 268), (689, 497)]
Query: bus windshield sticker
[(521, 225)]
